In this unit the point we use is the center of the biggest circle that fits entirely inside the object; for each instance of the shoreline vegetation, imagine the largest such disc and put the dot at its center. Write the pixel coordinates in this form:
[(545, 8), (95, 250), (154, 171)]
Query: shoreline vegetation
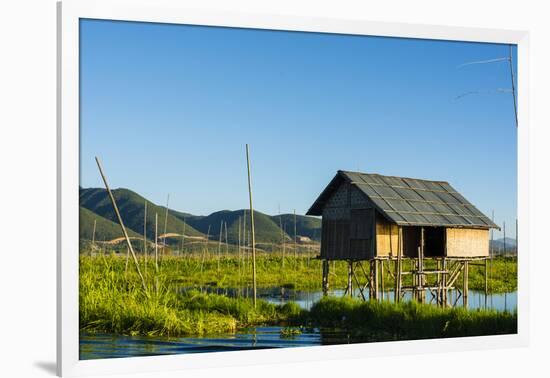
[(112, 300)]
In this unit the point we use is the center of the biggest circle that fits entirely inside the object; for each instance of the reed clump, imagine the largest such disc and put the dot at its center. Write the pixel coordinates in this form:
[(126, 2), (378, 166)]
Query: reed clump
[(112, 300), (379, 321)]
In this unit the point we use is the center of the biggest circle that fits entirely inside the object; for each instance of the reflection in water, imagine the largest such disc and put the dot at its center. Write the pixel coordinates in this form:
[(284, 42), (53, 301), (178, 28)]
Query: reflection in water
[(305, 299), (111, 346)]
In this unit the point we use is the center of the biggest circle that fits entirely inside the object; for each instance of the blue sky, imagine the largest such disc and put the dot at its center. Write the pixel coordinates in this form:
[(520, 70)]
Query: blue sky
[(169, 108)]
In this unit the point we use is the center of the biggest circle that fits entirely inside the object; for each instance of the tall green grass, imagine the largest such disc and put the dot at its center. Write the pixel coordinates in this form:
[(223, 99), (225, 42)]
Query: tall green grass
[(302, 272), (112, 300), (408, 320)]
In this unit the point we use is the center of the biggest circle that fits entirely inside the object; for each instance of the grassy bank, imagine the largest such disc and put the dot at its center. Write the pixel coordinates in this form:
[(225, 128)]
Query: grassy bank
[(383, 321), (112, 300), (302, 272)]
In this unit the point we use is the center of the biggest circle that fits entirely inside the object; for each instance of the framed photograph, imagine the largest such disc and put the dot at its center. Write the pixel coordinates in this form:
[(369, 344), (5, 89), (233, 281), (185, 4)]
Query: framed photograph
[(248, 188)]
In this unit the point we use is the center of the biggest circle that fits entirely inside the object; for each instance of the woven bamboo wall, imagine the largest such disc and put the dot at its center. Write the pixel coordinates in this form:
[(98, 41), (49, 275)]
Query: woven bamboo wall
[(466, 242), (387, 237)]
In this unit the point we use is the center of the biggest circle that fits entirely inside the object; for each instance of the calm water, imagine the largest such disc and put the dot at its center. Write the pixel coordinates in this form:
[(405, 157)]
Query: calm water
[(306, 299), (111, 346)]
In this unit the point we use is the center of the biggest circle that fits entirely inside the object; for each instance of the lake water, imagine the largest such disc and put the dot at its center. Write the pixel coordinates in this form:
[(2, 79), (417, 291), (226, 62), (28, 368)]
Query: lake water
[(93, 346), (306, 299)]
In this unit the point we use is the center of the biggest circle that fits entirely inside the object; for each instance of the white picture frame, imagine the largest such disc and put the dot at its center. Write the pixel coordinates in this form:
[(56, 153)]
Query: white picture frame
[(171, 11)]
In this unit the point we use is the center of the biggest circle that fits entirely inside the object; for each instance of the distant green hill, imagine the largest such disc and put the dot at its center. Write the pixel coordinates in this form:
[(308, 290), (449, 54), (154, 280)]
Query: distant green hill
[(267, 231), (305, 225), (105, 229), (131, 206), (95, 202)]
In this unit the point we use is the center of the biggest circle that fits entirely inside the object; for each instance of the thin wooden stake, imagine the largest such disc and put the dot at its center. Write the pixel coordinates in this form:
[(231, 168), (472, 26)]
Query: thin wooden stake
[(513, 85), (220, 245), (156, 242), (145, 236), (93, 238), (251, 227), (165, 225), (295, 237), (121, 223)]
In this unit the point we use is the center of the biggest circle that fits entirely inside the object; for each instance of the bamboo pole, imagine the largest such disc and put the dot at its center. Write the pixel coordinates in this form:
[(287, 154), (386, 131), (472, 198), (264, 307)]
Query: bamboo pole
[(121, 223), (156, 243), (145, 235), (239, 250), (398, 266), (127, 258), (284, 244), (226, 240), (465, 285), (382, 279), (325, 277), (220, 245), (251, 227), (421, 278), (295, 238), (93, 237), (513, 85), (183, 237), (165, 224), (349, 289)]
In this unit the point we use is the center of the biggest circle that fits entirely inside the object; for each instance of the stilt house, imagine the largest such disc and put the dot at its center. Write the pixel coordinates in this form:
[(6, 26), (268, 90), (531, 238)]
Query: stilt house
[(367, 216)]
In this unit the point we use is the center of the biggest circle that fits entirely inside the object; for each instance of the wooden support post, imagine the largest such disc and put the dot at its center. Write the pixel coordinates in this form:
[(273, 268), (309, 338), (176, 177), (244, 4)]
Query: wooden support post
[(121, 223), (325, 277), (465, 285), (375, 279), (382, 280), (421, 277), (486, 280), (444, 283), (253, 236), (349, 289), (398, 266)]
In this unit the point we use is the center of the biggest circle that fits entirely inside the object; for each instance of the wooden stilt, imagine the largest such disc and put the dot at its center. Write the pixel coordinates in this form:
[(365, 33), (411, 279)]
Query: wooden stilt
[(444, 283), (465, 285), (349, 289), (398, 266), (421, 276), (325, 277), (375, 280), (382, 280)]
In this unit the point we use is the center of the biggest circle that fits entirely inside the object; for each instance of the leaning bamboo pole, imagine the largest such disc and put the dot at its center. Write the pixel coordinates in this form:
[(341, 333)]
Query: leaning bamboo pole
[(251, 227), (121, 223)]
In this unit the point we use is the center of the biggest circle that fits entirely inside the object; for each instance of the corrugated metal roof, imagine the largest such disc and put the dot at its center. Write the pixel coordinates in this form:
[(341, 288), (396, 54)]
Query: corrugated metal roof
[(410, 202)]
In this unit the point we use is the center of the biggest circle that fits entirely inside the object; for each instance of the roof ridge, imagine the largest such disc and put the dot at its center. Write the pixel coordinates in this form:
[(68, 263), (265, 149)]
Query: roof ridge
[(390, 176)]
